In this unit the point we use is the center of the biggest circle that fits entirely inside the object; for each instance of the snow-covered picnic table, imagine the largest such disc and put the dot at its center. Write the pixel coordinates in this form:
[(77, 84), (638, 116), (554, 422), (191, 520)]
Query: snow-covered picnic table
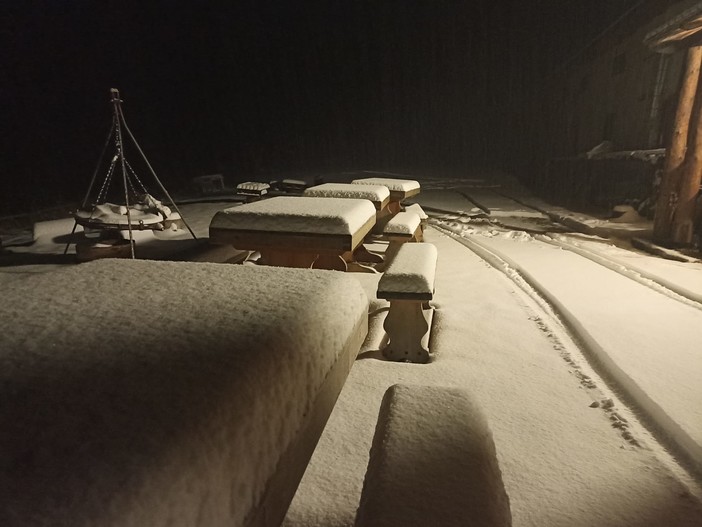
[(379, 195), (168, 393), (400, 189), (297, 231)]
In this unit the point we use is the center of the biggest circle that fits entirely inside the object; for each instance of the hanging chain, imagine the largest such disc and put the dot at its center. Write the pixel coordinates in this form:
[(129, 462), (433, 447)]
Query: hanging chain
[(131, 170), (106, 182)]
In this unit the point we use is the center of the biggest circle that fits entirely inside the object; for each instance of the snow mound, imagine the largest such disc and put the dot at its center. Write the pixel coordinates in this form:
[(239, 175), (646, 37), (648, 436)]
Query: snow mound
[(433, 462), (154, 393)]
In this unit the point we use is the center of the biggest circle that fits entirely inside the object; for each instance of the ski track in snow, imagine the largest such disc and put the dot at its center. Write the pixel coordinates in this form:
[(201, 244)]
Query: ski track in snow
[(606, 384), (550, 323), (666, 288)]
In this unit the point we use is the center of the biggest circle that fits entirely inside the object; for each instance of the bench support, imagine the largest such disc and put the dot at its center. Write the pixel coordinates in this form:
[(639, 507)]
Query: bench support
[(302, 259), (407, 325)]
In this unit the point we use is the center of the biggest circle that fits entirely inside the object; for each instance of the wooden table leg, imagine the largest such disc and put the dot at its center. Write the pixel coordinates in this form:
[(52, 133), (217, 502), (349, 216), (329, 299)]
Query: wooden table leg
[(394, 207), (287, 258), (361, 254)]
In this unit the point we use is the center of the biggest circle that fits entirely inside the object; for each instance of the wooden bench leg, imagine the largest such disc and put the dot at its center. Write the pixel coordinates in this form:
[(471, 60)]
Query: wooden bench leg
[(407, 324), (418, 235), (333, 262)]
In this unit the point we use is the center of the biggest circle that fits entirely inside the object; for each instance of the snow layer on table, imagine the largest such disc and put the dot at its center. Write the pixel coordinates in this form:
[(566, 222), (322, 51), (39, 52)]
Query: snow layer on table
[(396, 185), (348, 190), (154, 393), (298, 214), (432, 462), (413, 270), (403, 223)]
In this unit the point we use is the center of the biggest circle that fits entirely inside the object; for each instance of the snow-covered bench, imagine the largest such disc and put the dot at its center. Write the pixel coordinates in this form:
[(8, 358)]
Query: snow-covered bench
[(252, 189), (400, 189), (408, 283), (168, 393), (403, 227), (432, 462), (419, 211)]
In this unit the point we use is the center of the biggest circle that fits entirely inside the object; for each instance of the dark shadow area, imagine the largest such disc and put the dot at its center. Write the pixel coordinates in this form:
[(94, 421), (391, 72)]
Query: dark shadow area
[(10, 259)]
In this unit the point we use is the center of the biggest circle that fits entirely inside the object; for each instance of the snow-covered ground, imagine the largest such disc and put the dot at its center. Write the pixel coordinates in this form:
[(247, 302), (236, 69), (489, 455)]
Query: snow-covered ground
[(585, 357)]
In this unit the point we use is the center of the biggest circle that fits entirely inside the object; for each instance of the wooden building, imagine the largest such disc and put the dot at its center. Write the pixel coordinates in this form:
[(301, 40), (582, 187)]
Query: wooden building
[(607, 116)]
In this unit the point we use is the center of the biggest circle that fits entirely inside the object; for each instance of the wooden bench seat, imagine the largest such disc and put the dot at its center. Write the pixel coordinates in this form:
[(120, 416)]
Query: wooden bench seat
[(408, 283), (432, 462), (403, 227), (419, 211)]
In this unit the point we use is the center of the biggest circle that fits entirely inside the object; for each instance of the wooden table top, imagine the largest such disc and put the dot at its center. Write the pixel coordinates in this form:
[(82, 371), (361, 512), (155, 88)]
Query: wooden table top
[(295, 223)]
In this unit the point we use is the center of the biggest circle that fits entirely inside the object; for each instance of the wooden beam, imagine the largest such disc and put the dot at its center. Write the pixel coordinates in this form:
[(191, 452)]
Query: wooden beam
[(668, 196), (689, 185)]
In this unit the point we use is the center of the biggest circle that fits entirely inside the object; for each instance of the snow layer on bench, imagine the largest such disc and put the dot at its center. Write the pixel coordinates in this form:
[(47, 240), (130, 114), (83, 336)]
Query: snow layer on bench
[(418, 210), (348, 190), (154, 393), (433, 462), (403, 223), (396, 185), (298, 214), (411, 271)]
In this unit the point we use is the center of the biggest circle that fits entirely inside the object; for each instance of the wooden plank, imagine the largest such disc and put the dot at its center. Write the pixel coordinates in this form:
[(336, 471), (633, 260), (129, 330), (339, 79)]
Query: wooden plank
[(256, 240)]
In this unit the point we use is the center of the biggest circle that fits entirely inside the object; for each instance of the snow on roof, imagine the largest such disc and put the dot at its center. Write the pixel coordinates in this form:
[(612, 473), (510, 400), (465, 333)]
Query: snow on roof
[(135, 391), (398, 185), (349, 190), (298, 214)]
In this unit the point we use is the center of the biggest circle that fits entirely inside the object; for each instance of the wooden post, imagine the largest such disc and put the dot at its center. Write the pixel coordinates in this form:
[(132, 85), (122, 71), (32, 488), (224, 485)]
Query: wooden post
[(689, 185), (669, 193)]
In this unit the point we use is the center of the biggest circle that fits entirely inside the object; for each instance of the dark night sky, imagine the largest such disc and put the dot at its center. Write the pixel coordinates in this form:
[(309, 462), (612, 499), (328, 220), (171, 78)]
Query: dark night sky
[(251, 87)]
